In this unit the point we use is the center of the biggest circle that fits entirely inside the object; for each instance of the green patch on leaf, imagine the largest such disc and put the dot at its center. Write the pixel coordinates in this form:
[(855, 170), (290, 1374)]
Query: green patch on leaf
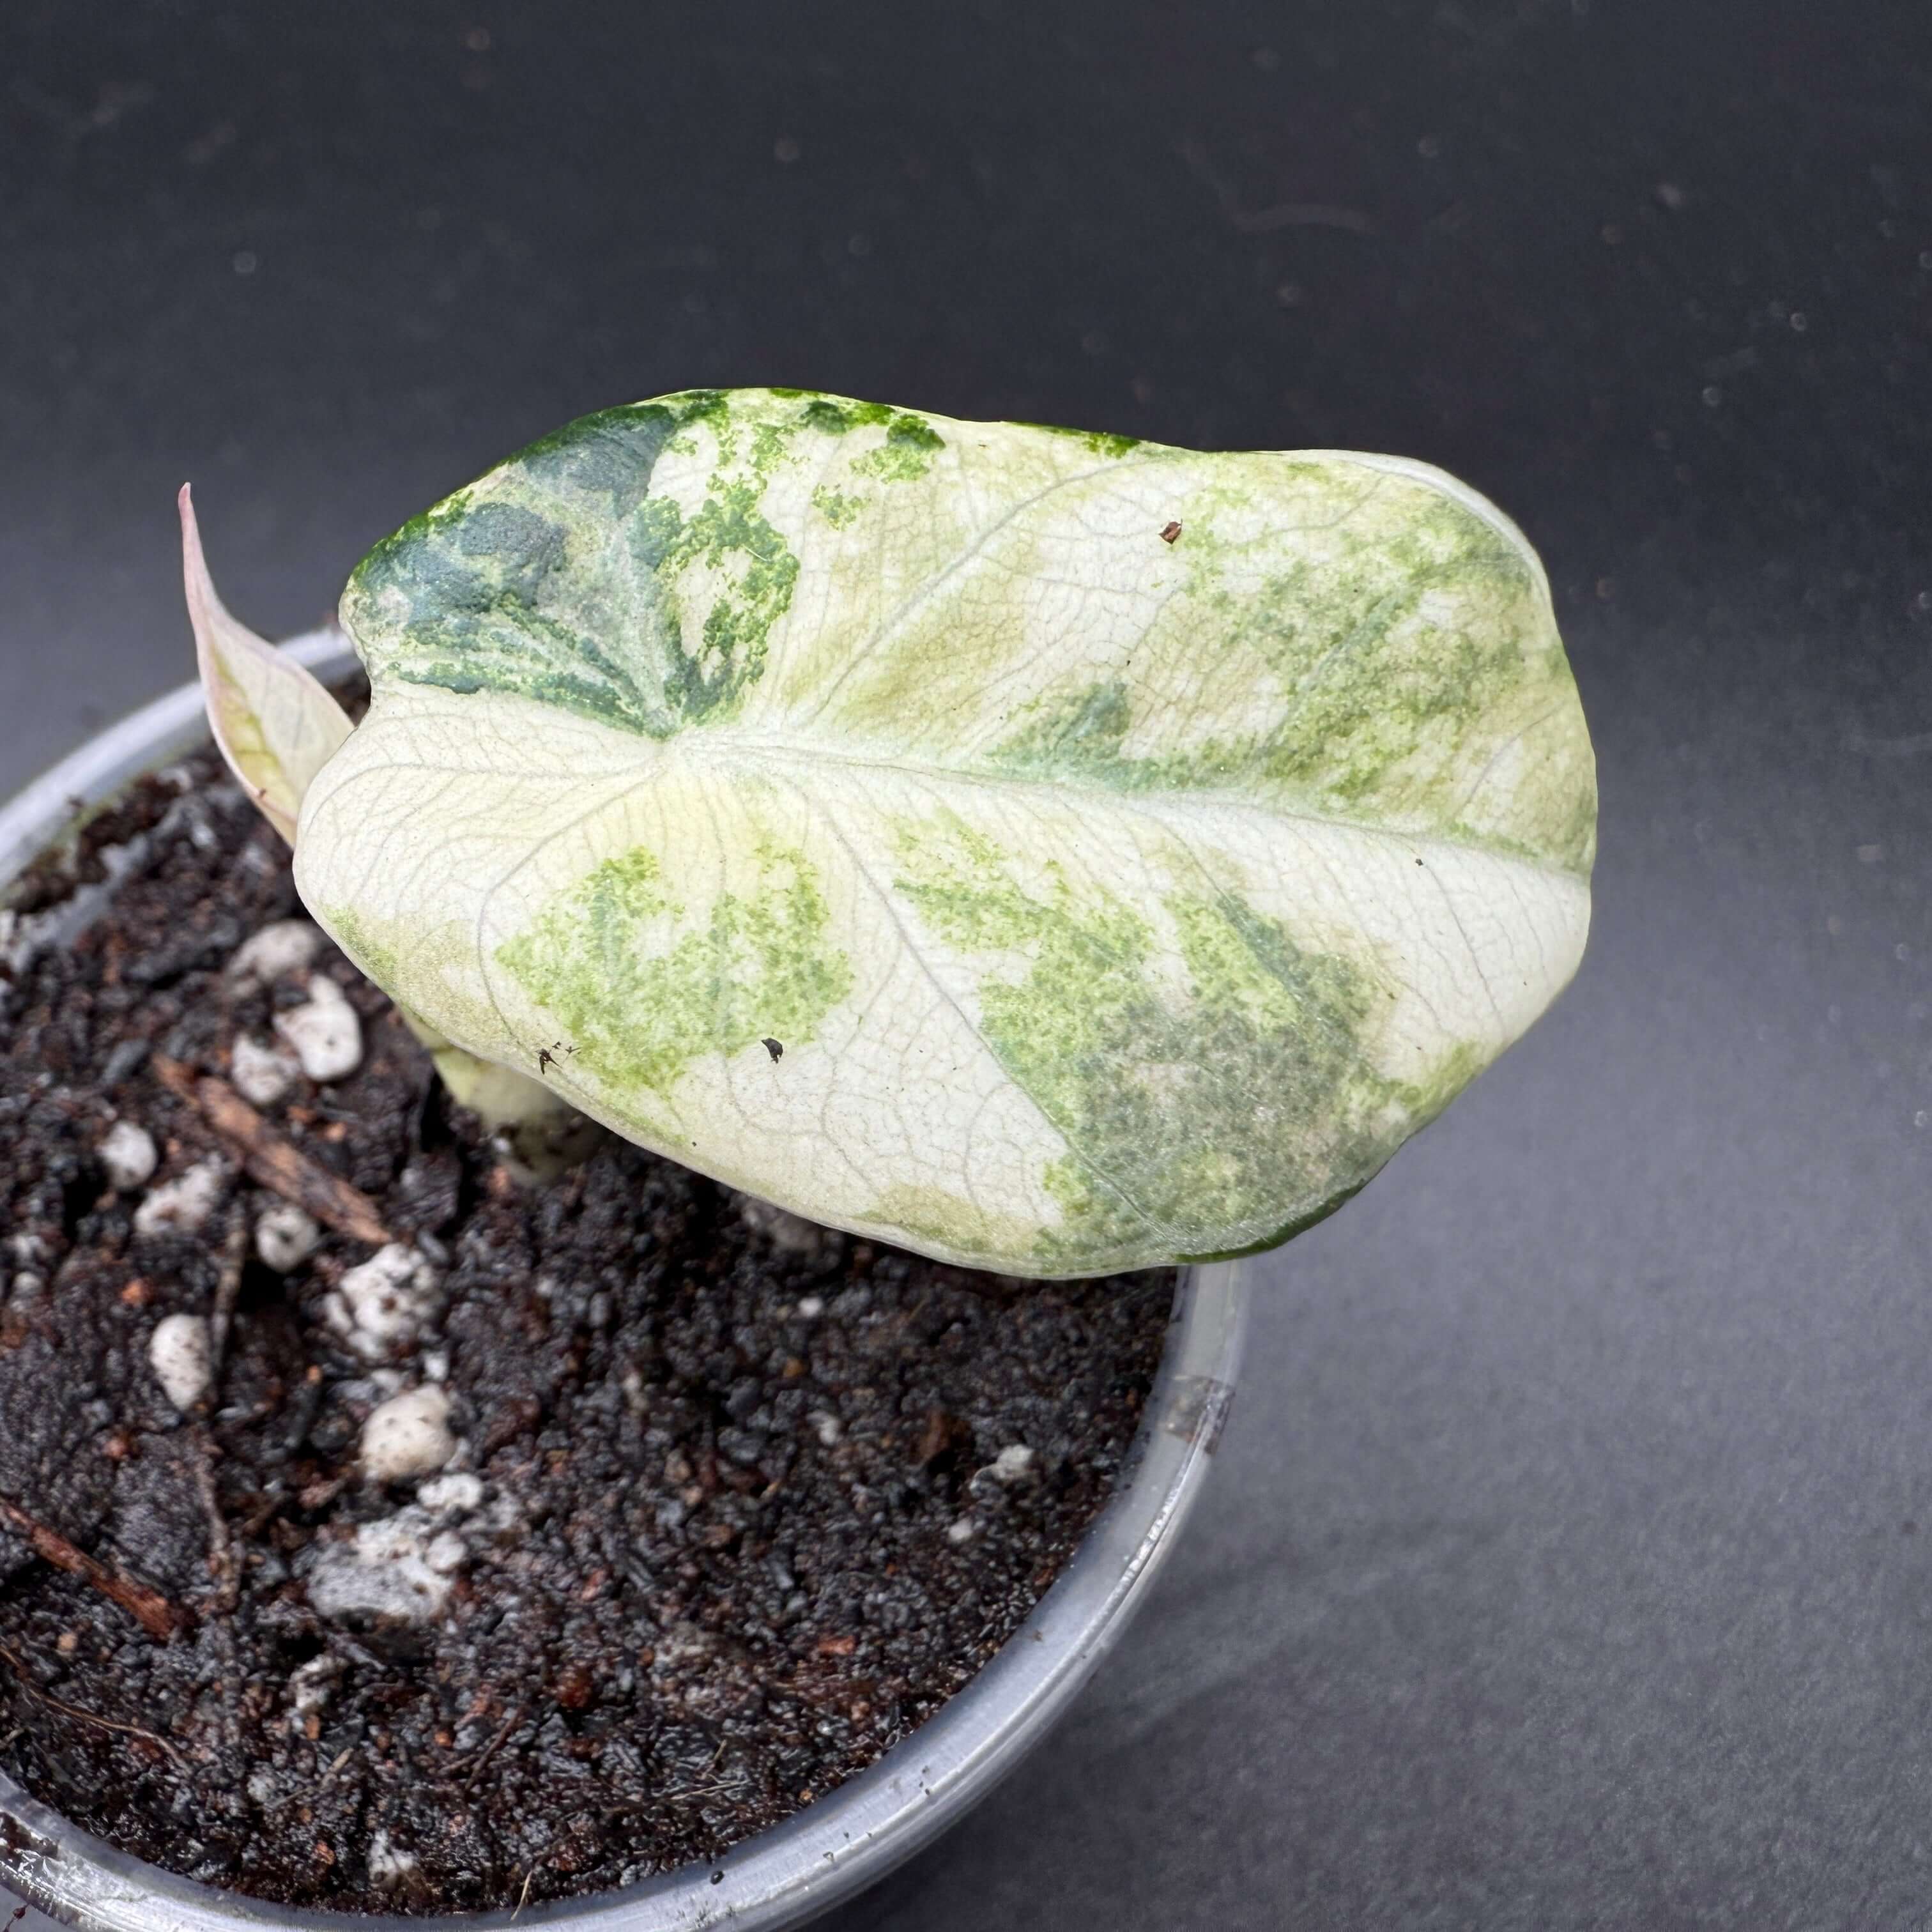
[(836, 414), (1080, 735), (355, 935), (1102, 442), (1223, 1099), (840, 512), (642, 988), (1287, 1231), (1363, 697), (951, 1221), (1081, 738), (911, 441), (752, 571), (907, 453)]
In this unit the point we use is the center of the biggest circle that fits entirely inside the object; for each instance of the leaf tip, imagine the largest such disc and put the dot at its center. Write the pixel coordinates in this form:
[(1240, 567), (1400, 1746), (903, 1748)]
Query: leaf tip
[(202, 599), (275, 725)]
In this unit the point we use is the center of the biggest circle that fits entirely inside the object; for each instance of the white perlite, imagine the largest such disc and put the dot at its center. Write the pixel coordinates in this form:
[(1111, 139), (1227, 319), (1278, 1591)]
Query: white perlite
[(385, 1304), (182, 1361), (324, 1032), (312, 1684), (181, 1206), (1013, 1464), (129, 1155), (447, 1552), (389, 1866), (408, 1435), (962, 1529), (286, 946), (399, 1568), (285, 1237), (460, 1491), (262, 1074)]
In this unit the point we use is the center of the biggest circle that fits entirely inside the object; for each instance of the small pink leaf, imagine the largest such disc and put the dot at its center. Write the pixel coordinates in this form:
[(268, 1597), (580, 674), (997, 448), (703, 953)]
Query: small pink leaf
[(276, 724)]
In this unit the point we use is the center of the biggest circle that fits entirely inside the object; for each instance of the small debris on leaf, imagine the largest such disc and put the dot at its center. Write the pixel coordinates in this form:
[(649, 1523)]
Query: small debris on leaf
[(1170, 532)]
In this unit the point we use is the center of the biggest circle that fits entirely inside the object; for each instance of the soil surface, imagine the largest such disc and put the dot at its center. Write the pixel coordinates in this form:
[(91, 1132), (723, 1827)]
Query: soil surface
[(730, 1504)]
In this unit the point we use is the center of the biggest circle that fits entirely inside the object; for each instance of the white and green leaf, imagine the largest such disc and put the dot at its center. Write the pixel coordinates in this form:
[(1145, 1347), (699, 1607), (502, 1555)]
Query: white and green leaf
[(275, 723), (897, 818)]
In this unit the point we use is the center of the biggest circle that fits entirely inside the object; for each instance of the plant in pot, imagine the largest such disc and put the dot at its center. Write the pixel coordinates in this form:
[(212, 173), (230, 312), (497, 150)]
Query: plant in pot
[(885, 900)]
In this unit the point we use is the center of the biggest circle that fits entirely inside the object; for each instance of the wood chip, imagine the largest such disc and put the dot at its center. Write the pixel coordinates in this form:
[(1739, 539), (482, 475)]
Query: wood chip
[(272, 1160), (152, 1611)]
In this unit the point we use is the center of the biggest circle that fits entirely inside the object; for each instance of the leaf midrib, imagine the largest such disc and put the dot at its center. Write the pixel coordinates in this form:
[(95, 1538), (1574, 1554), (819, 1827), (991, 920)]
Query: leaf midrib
[(724, 744)]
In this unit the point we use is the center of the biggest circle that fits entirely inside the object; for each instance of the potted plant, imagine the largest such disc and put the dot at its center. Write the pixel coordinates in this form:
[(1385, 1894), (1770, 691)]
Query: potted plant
[(1006, 861)]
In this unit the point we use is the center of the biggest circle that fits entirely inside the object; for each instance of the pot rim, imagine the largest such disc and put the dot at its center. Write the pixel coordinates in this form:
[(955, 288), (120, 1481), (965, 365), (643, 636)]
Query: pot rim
[(827, 1850)]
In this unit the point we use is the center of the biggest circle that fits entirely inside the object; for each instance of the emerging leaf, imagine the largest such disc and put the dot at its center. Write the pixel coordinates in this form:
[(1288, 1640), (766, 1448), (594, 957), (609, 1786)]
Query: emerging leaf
[(1053, 852), (275, 724)]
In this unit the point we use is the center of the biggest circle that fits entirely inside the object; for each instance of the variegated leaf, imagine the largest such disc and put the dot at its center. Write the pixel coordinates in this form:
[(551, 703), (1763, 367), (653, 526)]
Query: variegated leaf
[(275, 724), (1051, 852)]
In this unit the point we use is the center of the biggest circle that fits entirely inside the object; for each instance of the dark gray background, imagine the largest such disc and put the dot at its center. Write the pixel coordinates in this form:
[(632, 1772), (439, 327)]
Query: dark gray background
[(1569, 1562)]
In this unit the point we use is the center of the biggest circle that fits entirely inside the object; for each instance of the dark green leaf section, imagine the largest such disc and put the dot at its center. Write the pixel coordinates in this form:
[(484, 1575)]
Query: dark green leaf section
[(563, 578), (729, 537), (639, 1006), (1212, 1116), (514, 588), (911, 441), (1098, 441)]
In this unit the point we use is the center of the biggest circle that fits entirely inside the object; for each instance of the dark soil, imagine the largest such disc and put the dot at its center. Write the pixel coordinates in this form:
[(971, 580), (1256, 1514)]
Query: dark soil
[(736, 1528)]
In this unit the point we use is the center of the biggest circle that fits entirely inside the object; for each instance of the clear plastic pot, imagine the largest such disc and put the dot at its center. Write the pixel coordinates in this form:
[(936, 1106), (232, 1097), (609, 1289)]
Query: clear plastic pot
[(841, 1842)]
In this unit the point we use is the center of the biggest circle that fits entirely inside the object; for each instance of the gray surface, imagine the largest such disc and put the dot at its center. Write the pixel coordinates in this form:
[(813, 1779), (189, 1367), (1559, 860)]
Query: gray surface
[(1571, 1562)]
